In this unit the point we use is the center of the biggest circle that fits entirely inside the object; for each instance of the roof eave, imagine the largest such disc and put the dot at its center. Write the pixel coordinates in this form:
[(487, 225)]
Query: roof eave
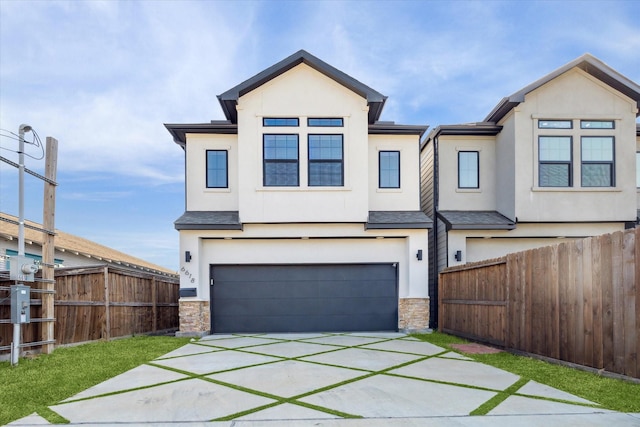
[(180, 131)]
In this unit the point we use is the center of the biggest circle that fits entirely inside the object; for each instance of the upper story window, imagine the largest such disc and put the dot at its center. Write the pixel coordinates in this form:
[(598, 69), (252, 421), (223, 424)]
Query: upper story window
[(326, 161), (217, 169), (555, 161), (597, 161), (389, 169), (468, 169), (555, 124), (325, 122), (280, 164), (279, 121), (597, 124)]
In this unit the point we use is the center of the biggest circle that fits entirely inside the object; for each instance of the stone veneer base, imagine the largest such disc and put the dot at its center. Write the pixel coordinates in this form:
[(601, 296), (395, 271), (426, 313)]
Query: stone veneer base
[(413, 314)]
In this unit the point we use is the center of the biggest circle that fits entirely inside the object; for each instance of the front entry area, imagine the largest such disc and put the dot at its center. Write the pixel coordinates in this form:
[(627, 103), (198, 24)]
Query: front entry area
[(304, 298)]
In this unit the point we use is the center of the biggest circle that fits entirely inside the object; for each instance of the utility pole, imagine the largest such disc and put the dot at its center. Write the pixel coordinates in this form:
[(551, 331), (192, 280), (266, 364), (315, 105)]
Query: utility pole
[(15, 350), (48, 248)]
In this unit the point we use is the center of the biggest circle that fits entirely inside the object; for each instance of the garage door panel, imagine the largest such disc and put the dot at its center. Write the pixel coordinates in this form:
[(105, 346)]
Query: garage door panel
[(298, 298)]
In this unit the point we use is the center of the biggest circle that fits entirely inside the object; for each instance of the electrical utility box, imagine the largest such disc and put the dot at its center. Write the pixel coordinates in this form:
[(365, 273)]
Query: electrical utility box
[(20, 304), (22, 268)]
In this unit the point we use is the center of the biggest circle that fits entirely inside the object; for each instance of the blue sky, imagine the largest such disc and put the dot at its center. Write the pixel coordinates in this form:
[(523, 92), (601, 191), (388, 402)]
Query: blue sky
[(103, 76)]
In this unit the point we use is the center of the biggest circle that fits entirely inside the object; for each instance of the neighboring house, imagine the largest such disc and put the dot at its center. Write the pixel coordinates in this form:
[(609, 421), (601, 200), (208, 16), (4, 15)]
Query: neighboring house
[(70, 250), (555, 160), (302, 209)]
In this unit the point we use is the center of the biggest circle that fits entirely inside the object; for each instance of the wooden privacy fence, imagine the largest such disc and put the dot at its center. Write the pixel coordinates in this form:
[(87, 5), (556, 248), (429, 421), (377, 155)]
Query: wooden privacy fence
[(577, 301), (93, 303)]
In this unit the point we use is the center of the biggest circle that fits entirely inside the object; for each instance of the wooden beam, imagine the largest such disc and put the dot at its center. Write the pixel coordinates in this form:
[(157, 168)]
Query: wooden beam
[(48, 246)]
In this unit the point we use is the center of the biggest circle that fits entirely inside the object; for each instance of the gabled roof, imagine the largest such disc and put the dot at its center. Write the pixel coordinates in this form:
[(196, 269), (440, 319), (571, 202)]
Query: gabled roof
[(229, 99), (476, 220), (587, 63), (66, 242)]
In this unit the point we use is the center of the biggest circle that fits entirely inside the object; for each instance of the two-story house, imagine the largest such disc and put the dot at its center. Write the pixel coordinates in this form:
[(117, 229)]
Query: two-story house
[(302, 209), (555, 160)]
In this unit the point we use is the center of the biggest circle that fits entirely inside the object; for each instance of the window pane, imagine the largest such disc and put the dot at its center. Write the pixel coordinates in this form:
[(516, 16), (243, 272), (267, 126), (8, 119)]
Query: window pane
[(282, 174), (217, 169), (335, 122), (468, 169), (280, 122), (554, 175), (325, 173), (389, 169), (281, 147), (596, 175), (596, 124), (555, 124), (555, 148), (597, 148)]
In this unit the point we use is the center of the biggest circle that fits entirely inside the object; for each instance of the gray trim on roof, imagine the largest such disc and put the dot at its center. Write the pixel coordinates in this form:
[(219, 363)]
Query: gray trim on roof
[(397, 219), (476, 220), (587, 63), (179, 131), (390, 128), (209, 220), (472, 129), (229, 99)]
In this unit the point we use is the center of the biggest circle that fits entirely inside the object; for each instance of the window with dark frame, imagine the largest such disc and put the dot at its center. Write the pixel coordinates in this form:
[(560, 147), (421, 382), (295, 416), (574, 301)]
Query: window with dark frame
[(468, 169), (217, 169), (280, 164), (597, 154), (325, 122), (389, 169), (597, 124), (555, 161), (555, 124), (280, 121), (326, 161)]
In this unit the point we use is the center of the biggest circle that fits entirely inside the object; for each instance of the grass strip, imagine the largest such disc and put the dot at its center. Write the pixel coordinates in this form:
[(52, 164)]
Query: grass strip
[(613, 394), (499, 398), (37, 383)]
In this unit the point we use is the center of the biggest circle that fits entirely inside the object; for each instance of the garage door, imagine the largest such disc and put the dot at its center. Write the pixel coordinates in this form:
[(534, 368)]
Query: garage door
[(304, 298)]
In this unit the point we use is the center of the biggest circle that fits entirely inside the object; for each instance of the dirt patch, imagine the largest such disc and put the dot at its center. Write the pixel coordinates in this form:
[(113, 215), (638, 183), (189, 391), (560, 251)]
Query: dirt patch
[(474, 348)]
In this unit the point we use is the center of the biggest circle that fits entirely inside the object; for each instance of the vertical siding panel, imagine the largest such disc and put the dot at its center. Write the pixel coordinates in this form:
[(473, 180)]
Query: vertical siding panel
[(588, 302), (630, 329)]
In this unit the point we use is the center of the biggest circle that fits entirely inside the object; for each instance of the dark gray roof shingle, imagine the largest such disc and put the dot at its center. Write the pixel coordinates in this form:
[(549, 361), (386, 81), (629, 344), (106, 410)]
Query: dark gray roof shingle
[(476, 220), (209, 220), (398, 219)]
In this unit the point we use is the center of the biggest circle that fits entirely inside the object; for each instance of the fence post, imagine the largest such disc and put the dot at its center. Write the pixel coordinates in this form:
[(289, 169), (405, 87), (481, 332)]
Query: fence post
[(154, 299), (107, 314)]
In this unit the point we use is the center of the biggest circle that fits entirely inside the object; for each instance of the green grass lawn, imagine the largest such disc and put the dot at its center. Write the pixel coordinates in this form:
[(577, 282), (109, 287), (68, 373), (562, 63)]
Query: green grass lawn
[(36, 383), (612, 394)]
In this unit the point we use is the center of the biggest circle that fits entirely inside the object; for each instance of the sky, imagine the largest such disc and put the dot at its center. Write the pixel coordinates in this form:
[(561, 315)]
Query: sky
[(102, 77)]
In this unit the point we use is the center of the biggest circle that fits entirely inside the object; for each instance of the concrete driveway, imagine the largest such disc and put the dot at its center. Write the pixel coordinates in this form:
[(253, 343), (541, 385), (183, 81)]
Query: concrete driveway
[(357, 379)]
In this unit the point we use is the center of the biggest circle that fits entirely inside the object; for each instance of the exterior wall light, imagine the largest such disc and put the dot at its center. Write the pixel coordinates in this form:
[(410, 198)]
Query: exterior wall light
[(187, 256), (419, 255), (458, 256)]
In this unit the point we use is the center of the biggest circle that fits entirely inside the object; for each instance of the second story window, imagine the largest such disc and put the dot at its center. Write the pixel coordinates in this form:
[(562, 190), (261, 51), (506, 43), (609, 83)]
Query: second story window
[(389, 169), (555, 161), (217, 169), (326, 165), (280, 121), (325, 122), (280, 164), (597, 161), (468, 169)]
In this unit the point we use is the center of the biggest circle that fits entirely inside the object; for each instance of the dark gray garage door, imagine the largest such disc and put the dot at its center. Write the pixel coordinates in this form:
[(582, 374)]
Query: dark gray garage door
[(304, 298)]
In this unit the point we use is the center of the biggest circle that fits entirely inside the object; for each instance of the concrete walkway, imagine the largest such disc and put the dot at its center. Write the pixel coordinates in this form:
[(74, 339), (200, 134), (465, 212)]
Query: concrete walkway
[(333, 380)]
